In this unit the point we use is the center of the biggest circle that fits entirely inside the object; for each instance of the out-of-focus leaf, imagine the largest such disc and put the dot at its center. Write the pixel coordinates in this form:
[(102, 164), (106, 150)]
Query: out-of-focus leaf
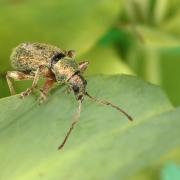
[(155, 38), (172, 25), (137, 10), (157, 60), (154, 171), (67, 24), (166, 16), (171, 172), (105, 60), (160, 9), (172, 7), (104, 145), (162, 14)]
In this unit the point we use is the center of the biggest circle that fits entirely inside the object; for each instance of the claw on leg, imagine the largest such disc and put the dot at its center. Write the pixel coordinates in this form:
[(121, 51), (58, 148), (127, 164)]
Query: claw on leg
[(43, 97), (67, 90), (27, 92)]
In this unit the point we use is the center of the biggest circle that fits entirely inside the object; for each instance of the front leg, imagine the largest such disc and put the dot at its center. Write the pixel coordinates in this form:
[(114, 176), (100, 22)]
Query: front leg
[(50, 80), (46, 88)]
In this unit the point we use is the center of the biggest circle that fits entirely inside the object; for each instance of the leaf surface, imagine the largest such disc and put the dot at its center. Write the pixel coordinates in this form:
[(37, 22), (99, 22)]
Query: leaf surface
[(103, 145)]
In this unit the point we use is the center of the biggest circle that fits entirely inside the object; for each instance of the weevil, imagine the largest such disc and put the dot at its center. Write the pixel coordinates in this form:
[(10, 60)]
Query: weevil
[(32, 61)]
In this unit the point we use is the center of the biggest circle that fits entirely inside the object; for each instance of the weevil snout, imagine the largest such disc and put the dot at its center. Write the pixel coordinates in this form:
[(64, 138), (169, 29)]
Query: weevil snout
[(78, 85)]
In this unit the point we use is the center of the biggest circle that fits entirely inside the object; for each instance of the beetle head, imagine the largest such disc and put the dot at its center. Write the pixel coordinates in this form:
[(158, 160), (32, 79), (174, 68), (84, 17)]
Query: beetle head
[(78, 86)]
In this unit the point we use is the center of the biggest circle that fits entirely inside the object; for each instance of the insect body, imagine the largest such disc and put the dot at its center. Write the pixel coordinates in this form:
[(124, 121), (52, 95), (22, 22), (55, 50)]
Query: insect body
[(32, 61)]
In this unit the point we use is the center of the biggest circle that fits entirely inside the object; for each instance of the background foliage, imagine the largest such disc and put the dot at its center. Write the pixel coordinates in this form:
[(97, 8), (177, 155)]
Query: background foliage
[(100, 147), (116, 37), (132, 37)]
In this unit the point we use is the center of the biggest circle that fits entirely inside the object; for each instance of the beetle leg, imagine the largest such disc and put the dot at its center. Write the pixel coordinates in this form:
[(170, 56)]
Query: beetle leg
[(46, 88), (67, 90), (50, 80), (74, 121), (16, 75), (34, 84)]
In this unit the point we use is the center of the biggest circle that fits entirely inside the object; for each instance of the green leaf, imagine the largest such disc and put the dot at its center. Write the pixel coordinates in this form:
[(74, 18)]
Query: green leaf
[(154, 171), (137, 10), (104, 59), (171, 172), (160, 9), (172, 25), (154, 37), (103, 145), (157, 60)]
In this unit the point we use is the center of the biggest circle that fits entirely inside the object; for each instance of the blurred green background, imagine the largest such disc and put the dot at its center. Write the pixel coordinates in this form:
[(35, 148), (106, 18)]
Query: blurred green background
[(131, 37), (138, 37)]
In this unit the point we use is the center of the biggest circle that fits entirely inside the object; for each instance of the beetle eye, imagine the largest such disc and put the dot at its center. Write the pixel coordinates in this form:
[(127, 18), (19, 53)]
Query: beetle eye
[(56, 58), (75, 88)]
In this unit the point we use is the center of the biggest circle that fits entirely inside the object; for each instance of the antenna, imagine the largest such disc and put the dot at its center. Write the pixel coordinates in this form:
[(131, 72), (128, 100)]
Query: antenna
[(104, 102)]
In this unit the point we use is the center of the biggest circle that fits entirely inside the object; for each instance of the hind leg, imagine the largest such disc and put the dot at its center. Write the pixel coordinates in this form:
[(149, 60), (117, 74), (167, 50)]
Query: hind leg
[(16, 75)]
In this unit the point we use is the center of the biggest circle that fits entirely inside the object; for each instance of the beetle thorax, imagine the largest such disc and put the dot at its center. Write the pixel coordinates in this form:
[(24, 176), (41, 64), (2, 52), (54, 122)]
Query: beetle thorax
[(64, 70)]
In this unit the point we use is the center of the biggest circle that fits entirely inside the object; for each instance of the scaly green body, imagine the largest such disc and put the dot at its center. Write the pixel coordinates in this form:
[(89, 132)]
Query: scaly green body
[(28, 57)]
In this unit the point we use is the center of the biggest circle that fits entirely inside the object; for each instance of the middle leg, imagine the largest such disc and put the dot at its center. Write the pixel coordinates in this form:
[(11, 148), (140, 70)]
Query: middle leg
[(46, 88)]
